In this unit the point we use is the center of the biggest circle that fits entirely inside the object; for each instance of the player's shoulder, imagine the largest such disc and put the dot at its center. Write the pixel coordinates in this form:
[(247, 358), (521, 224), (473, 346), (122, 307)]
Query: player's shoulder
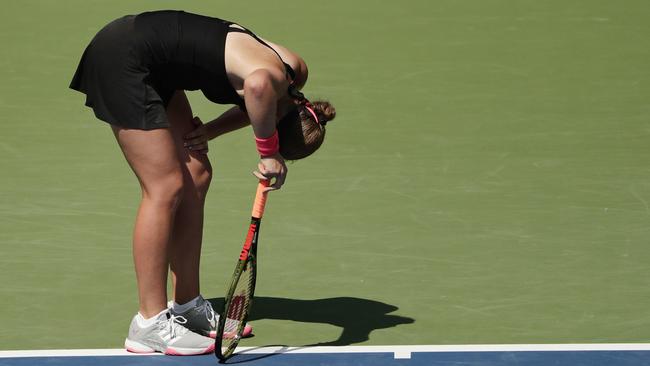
[(294, 60)]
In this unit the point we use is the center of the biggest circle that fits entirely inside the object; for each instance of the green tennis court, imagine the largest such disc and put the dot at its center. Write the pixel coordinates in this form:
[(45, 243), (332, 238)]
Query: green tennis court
[(486, 181)]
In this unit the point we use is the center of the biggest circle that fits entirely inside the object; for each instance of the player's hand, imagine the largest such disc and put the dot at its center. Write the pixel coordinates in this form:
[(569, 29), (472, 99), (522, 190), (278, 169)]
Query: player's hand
[(197, 140), (271, 167)]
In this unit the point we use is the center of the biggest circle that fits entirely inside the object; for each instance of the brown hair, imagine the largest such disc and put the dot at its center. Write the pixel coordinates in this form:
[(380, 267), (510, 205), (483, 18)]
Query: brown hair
[(300, 136)]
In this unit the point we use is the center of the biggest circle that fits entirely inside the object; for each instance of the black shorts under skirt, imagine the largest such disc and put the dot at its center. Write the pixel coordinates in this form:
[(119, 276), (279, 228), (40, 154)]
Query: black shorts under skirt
[(115, 82)]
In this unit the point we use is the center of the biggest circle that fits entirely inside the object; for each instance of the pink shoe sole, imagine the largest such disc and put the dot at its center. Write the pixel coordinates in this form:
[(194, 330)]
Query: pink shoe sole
[(170, 351), (173, 352), (248, 331), (138, 352)]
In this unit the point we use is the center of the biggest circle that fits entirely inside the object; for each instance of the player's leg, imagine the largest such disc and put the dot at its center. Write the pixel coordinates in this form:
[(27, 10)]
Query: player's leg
[(152, 156), (154, 159), (185, 248)]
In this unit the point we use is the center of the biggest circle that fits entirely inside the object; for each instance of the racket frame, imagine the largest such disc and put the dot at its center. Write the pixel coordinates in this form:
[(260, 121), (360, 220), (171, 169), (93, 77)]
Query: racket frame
[(247, 256)]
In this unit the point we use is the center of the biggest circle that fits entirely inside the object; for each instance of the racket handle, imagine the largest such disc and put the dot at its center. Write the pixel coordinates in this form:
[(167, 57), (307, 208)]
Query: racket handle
[(260, 199)]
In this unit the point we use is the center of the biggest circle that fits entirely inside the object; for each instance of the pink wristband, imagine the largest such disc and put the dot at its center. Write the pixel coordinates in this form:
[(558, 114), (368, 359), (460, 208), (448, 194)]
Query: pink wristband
[(268, 146)]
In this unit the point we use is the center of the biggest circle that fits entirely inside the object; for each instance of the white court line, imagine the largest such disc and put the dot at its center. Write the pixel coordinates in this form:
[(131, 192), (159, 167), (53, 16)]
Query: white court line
[(403, 352)]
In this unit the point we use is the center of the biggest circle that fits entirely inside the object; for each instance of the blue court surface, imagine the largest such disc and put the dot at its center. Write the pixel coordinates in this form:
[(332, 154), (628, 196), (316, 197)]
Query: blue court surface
[(472, 355)]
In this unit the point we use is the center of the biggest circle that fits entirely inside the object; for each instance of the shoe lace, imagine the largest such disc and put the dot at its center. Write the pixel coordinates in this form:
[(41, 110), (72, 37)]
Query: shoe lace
[(209, 311), (174, 325)]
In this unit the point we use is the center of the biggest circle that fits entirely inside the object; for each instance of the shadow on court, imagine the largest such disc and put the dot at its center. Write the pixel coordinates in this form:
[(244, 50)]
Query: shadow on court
[(356, 317)]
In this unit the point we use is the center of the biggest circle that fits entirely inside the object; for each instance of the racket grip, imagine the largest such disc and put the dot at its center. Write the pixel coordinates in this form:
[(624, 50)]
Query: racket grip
[(260, 199)]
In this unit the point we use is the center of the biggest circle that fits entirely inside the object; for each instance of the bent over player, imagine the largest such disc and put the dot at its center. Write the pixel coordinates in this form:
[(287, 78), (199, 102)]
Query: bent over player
[(134, 73)]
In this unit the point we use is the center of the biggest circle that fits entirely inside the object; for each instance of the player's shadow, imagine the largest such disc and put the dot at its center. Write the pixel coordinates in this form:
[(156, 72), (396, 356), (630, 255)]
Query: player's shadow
[(356, 317)]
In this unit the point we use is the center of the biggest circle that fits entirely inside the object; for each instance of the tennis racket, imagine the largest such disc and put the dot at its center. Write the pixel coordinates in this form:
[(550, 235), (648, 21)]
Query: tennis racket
[(239, 299)]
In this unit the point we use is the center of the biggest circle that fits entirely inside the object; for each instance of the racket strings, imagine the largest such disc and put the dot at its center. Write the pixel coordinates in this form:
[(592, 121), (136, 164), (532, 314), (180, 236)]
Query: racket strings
[(238, 308)]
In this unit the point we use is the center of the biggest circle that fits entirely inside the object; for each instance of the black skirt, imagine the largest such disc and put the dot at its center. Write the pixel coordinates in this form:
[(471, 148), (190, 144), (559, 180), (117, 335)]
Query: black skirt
[(117, 85)]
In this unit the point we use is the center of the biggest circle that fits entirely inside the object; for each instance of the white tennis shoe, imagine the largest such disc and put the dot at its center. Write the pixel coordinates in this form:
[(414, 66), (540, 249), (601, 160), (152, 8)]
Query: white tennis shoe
[(167, 335), (202, 319)]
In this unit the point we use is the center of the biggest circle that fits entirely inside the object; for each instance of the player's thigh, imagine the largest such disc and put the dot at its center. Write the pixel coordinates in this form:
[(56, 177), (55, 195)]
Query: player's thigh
[(154, 159), (179, 114)]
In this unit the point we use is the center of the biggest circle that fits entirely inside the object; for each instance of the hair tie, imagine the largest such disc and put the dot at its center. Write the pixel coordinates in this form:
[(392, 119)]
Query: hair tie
[(311, 110), (295, 93)]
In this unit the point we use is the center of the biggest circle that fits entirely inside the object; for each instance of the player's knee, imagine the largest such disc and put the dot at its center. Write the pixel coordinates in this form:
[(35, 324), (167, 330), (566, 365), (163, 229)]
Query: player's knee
[(166, 192)]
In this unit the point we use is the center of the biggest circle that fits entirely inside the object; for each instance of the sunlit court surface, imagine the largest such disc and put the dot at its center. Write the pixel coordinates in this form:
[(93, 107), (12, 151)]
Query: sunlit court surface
[(482, 197)]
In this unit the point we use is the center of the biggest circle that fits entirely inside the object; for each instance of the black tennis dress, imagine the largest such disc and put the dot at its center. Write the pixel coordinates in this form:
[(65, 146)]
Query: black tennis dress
[(132, 67)]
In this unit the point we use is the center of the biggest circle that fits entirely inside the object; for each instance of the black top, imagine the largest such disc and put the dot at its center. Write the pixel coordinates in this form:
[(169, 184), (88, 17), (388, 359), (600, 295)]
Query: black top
[(186, 51), (133, 66)]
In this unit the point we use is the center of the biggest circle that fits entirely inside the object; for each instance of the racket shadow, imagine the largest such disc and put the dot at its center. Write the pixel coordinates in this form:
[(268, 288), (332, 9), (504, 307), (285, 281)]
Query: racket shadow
[(249, 355), (356, 317)]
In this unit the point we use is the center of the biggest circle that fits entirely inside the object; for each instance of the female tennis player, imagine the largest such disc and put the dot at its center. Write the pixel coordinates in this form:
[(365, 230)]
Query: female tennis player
[(134, 73)]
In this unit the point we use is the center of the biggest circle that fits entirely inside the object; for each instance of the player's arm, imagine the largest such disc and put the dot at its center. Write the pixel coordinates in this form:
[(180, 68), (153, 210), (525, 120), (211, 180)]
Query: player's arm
[(262, 89), (231, 120), (261, 93)]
